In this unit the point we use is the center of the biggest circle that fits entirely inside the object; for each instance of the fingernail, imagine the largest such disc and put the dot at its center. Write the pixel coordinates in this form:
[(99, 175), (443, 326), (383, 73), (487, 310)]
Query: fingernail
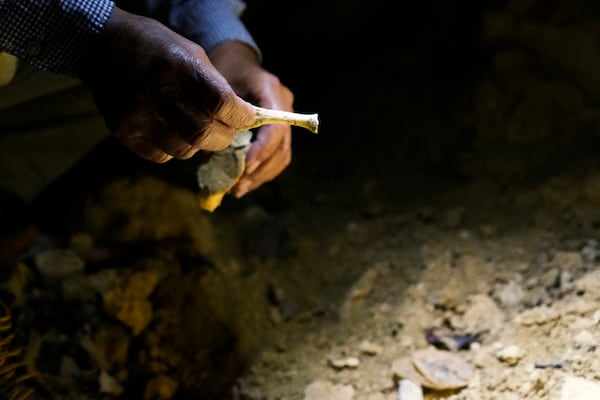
[(243, 188), (252, 167)]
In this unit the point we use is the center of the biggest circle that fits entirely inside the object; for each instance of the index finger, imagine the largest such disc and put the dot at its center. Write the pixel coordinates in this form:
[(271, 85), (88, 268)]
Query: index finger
[(269, 140)]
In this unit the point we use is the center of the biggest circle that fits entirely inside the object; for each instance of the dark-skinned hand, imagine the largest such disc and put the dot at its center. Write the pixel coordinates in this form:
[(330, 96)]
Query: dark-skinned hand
[(271, 151), (158, 92)]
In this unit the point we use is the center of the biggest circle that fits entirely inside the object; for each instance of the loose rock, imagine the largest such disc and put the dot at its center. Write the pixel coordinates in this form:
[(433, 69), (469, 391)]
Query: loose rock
[(409, 390)]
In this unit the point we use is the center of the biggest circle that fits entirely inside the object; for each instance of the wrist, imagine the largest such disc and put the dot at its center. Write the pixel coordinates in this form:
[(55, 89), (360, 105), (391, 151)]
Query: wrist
[(233, 53)]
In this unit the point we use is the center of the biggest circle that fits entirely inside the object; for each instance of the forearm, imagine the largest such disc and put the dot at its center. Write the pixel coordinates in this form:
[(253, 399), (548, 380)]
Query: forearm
[(51, 34)]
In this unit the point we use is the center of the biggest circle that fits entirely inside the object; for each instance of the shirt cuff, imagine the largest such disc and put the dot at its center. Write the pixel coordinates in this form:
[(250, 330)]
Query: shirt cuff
[(51, 34), (212, 22)]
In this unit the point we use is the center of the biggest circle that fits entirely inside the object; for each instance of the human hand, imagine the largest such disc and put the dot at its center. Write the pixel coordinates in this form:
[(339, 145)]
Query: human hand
[(271, 152), (158, 92)]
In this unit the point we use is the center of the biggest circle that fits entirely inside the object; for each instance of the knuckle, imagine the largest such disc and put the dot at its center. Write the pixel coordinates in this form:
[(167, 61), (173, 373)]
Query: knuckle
[(211, 140)]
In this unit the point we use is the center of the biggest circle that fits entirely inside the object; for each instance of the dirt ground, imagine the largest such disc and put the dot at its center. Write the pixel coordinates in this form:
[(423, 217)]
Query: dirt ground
[(518, 265), (316, 300), (450, 200)]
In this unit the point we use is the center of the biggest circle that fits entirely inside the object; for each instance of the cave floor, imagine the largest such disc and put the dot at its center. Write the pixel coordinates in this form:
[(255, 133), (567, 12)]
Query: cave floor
[(311, 290)]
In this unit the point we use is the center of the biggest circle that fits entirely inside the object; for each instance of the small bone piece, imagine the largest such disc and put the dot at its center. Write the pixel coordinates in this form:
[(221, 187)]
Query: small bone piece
[(265, 116)]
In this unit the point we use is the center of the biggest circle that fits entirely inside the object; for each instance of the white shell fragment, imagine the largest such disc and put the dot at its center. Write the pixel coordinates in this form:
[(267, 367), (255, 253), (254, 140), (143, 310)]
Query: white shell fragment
[(445, 370), (348, 362), (434, 369), (403, 368)]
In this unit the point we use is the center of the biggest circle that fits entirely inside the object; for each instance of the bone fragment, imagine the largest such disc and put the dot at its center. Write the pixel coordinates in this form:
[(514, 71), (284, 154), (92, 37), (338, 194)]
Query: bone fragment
[(266, 116)]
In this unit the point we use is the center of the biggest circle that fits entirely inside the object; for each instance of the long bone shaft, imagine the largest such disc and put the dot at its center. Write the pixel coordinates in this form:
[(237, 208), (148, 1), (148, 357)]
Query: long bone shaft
[(266, 116)]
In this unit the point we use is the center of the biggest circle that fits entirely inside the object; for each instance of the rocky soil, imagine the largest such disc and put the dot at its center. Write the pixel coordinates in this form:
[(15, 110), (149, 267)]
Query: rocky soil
[(319, 301), (451, 201)]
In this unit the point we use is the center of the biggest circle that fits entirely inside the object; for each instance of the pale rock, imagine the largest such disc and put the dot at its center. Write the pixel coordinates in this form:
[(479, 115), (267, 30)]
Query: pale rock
[(343, 363), (534, 281), (510, 294), (58, 263), (483, 359), (409, 390), (577, 305), (596, 317), (576, 388), (537, 296), (369, 348), (537, 316), (510, 355), (590, 250), (482, 314), (109, 384), (589, 284), (595, 367), (585, 340)]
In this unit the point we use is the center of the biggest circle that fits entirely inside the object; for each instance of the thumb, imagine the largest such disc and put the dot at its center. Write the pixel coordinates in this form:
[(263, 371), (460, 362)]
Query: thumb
[(237, 113)]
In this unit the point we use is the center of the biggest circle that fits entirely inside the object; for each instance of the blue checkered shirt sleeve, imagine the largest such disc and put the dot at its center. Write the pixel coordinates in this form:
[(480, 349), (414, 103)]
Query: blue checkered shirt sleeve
[(51, 34), (206, 22), (211, 22)]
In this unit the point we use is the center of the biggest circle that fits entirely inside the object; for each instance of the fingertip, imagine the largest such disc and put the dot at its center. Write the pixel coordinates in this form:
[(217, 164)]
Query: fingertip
[(252, 166), (188, 155), (148, 151), (161, 159), (242, 187)]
